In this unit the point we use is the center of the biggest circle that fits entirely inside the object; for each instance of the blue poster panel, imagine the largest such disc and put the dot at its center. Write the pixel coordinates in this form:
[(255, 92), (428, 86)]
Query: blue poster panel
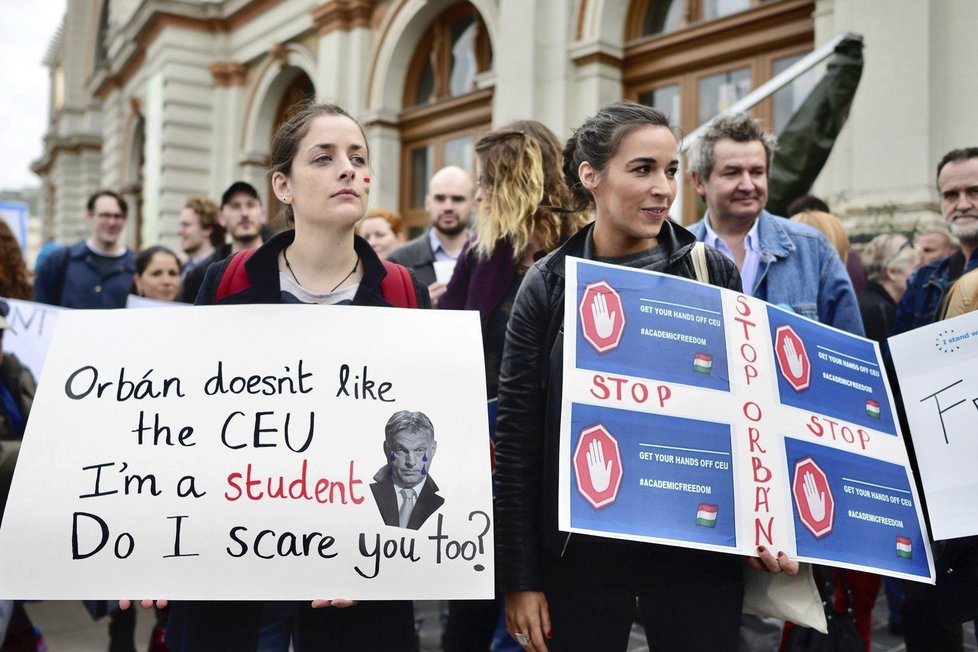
[(675, 475), (854, 509), (829, 372), (657, 327)]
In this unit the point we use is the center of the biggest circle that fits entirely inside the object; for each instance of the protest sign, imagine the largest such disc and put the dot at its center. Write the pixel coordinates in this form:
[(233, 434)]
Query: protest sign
[(936, 365), (697, 416), (239, 452), (29, 336)]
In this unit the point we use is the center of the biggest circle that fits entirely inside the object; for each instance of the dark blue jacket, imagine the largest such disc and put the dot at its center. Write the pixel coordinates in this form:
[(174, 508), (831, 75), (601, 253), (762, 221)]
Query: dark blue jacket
[(926, 288), (70, 277)]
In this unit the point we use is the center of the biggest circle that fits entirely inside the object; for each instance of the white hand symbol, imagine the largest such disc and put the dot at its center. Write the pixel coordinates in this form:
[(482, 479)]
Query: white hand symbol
[(598, 469), (814, 497), (795, 364), (604, 323)]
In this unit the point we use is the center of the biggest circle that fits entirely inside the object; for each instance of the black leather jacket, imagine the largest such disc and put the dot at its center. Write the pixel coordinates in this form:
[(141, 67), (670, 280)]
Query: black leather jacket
[(528, 422)]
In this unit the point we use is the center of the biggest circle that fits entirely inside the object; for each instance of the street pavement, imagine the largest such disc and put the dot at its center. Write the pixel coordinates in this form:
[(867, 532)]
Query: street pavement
[(67, 627)]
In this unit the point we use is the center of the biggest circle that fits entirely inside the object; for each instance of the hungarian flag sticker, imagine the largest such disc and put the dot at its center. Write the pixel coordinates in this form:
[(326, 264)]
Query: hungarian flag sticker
[(873, 408), (706, 515), (904, 548), (703, 363)]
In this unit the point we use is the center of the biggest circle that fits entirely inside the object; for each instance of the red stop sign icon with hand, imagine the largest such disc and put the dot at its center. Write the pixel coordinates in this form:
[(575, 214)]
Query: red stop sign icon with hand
[(597, 466), (602, 317), (793, 360), (813, 497)]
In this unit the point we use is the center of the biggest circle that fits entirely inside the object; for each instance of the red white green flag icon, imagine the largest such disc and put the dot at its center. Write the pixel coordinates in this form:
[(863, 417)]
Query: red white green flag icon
[(903, 548), (873, 409), (706, 515), (703, 363)]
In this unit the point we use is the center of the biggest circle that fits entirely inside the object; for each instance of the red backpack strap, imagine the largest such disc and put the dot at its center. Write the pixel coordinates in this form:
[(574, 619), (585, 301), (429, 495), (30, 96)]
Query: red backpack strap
[(397, 287), (235, 277)]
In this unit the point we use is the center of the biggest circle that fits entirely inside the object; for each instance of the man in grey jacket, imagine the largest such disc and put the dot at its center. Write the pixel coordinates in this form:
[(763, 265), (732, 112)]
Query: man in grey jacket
[(449, 203)]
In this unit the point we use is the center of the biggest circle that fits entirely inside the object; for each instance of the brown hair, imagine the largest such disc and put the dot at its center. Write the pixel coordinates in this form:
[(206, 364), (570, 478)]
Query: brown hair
[(206, 210), (830, 226), (13, 271), (521, 180), (290, 133), (392, 219)]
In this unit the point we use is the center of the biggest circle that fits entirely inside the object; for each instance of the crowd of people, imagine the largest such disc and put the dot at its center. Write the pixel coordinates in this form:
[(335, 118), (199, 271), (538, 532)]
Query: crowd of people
[(497, 244)]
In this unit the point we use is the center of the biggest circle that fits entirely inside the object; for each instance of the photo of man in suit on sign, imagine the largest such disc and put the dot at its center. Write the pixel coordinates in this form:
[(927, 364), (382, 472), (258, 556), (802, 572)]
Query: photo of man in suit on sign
[(405, 492)]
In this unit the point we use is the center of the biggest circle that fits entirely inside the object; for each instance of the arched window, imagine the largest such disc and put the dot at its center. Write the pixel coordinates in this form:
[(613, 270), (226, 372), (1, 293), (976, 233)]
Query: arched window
[(694, 58), (445, 111)]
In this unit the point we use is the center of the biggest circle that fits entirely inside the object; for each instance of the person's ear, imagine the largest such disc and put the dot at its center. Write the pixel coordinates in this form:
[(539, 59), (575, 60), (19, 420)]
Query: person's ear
[(698, 183), (588, 175), (282, 188)]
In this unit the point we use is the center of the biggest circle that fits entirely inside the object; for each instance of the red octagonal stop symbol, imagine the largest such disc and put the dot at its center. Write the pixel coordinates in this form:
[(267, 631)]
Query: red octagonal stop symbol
[(793, 360), (813, 497), (602, 317), (597, 463)]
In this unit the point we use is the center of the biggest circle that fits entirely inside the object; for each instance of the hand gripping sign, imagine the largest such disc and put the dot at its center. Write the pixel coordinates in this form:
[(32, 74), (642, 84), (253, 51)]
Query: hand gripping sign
[(602, 317)]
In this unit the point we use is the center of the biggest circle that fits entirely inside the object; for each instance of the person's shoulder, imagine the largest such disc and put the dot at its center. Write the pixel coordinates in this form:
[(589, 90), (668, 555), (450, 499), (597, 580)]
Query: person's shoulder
[(410, 250)]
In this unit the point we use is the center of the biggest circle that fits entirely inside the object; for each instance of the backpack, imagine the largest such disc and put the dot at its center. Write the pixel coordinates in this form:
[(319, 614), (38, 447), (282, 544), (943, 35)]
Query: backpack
[(397, 288)]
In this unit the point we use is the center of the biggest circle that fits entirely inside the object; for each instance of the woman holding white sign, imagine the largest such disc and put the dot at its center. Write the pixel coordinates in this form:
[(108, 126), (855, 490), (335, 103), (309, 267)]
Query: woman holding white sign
[(579, 592), (320, 171)]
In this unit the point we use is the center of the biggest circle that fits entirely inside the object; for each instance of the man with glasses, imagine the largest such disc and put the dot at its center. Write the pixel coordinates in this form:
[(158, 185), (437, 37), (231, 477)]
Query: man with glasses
[(449, 204), (96, 272)]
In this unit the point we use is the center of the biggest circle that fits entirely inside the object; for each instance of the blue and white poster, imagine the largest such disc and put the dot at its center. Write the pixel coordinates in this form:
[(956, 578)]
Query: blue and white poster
[(700, 417)]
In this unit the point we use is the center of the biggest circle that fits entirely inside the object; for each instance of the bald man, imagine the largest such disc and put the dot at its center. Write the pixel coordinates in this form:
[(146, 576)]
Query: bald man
[(449, 204)]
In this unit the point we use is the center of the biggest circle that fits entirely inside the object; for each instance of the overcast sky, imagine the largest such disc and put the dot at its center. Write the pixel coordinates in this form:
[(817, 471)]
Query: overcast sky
[(26, 29)]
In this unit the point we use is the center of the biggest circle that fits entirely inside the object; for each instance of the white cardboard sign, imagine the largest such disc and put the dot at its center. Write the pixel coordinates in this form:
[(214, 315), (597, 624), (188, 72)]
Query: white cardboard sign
[(29, 336), (938, 370), (174, 452)]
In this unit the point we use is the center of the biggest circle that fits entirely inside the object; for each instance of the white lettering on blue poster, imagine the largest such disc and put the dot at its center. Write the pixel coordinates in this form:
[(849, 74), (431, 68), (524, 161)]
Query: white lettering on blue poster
[(851, 508), (680, 484), (829, 372)]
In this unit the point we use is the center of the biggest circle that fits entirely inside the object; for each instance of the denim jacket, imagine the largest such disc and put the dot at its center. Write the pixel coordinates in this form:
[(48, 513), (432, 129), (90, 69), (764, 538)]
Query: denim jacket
[(926, 288), (800, 269)]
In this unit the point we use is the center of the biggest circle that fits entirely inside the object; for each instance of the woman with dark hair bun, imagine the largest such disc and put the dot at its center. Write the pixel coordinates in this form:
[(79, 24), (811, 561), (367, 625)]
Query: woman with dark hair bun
[(157, 274), (579, 592)]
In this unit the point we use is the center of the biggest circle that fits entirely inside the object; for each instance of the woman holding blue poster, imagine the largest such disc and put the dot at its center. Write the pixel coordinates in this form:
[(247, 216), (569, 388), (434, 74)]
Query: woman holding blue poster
[(579, 592)]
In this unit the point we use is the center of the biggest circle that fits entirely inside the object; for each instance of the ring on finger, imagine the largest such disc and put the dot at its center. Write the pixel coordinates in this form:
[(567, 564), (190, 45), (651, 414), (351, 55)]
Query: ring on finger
[(522, 639)]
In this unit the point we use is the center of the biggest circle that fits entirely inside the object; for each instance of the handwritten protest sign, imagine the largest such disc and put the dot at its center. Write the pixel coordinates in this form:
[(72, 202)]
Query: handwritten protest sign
[(938, 375), (239, 452), (29, 336), (700, 417)]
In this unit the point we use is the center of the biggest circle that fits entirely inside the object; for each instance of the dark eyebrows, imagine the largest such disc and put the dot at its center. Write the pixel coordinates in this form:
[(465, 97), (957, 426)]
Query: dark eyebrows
[(648, 160), (330, 146)]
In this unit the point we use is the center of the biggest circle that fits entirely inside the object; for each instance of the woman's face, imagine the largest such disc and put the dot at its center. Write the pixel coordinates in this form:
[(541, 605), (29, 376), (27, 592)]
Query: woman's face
[(329, 174), (379, 234), (634, 192), (161, 280)]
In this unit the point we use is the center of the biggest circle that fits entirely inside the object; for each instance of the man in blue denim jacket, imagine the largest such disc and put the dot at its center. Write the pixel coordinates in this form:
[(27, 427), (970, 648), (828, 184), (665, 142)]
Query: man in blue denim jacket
[(780, 261), (957, 183)]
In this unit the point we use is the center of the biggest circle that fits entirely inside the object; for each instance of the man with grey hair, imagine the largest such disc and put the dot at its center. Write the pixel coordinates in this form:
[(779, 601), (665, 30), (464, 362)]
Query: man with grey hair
[(405, 493), (957, 185), (780, 261)]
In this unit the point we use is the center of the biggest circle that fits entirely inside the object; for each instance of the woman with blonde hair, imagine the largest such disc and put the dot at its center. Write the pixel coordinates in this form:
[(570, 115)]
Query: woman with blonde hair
[(519, 178)]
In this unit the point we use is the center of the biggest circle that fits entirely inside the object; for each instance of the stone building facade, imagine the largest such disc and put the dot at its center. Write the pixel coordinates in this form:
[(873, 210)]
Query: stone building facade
[(162, 99)]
